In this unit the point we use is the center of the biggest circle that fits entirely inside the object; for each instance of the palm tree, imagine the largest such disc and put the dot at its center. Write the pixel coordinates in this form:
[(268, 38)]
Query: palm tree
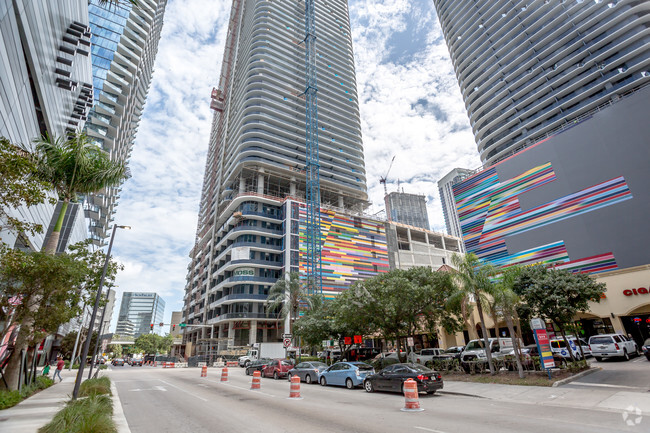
[(287, 294), (75, 166), (472, 281), (505, 302)]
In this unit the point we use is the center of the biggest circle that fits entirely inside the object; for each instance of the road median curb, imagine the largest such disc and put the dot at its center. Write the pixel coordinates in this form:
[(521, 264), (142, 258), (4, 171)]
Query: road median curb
[(461, 394), (576, 376), (118, 413)]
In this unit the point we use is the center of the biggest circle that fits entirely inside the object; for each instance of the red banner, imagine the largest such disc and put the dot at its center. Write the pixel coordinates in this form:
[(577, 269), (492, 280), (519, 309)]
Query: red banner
[(347, 340), (358, 339), (545, 354)]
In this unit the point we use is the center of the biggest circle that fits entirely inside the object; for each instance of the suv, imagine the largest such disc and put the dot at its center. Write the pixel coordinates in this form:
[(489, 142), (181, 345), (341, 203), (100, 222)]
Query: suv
[(427, 355), (277, 368), (612, 345), (474, 352)]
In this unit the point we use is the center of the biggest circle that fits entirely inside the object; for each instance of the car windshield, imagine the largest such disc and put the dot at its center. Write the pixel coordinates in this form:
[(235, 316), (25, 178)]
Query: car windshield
[(452, 350), (600, 340), (318, 364), (475, 345), (420, 368), (287, 363), (647, 342)]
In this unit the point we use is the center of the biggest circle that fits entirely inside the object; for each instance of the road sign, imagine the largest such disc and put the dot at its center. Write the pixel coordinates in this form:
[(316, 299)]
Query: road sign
[(287, 336), (536, 323), (544, 348), (358, 339), (347, 340), (286, 342), (161, 324), (182, 325), (409, 341)]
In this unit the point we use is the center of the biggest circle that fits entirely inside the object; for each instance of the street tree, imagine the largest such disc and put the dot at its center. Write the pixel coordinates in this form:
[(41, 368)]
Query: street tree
[(73, 166), (472, 281), (116, 349), (67, 343), (147, 343), (38, 292), (557, 295), (316, 324), (505, 302), (286, 296)]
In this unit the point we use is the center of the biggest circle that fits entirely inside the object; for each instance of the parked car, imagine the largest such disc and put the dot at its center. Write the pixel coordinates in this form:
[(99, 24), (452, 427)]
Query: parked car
[(277, 368), (455, 351), (308, 371), (474, 352), (118, 361), (558, 346), (529, 354), (392, 378), (257, 365), (646, 348), (137, 362), (611, 346), (348, 374), (425, 356)]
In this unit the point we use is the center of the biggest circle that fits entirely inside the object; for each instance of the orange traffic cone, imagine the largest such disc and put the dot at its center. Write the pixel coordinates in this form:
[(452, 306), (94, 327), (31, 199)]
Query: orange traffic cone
[(204, 371), (257, 379), (411, 396), (294, 391), (224, 374)]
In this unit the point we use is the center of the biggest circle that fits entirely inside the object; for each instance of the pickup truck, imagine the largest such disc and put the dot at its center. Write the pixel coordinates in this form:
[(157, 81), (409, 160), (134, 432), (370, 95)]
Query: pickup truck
[(427, 355)]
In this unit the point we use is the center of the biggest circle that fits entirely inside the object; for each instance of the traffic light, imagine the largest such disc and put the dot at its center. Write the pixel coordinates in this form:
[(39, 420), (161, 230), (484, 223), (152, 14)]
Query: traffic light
[(173, 328), (152, 326)]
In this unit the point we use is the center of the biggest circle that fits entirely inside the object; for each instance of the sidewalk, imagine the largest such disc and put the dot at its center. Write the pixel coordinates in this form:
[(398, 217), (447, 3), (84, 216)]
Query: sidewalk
[(595, 399), (33, 413)]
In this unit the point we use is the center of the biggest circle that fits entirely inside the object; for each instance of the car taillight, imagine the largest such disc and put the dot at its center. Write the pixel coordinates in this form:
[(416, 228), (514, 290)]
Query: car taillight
[(358, 373), (423, 377), (616, 346), (590, 347), (316, 370), (417, 360)]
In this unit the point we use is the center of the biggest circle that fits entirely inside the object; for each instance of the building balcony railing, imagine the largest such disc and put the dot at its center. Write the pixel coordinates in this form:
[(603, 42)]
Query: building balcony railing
[(231, 316), (237, 296)]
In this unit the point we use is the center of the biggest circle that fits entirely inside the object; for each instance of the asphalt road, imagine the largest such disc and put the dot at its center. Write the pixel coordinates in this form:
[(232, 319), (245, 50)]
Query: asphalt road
[(179, 400), (632, 375)]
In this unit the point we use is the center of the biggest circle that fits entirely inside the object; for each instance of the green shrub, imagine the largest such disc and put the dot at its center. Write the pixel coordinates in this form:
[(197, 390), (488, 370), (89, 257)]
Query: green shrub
[(9, 399), (12, 398), (44, 382), (87, 415), (309, 358), (92, 387)]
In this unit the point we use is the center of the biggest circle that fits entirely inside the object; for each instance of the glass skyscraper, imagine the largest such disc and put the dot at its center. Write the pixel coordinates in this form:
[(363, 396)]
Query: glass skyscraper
[(529, 69), (137, 312), (124, 45)]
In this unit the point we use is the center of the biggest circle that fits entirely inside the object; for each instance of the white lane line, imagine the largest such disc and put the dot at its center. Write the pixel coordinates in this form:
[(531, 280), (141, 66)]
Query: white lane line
[(428, 429), (181, 389), (605, 385), (256, 391)]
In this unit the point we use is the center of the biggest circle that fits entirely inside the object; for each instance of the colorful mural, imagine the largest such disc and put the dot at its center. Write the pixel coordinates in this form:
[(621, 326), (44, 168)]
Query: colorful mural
[(489, 212), (353, 248)]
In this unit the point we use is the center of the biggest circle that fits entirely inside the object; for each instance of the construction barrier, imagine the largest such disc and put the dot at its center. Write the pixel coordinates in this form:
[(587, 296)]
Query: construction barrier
[(224, 374), (294, 390), (204, 371), (180, 365), (257, 380), (412, 402), (232, 364)]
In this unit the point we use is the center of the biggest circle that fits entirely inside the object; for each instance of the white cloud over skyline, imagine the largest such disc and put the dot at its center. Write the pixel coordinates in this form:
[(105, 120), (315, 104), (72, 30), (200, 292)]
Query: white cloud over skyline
[(410, 107)]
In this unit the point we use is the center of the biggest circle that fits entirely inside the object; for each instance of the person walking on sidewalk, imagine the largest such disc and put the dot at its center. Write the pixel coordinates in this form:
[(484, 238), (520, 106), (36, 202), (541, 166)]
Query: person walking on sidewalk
[(59, 366)]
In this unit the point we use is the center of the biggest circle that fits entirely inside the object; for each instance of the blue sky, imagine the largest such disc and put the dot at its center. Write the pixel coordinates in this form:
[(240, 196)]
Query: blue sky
[(410, 106)]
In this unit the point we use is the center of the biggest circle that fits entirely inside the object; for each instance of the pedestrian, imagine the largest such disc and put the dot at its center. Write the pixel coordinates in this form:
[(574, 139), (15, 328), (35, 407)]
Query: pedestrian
[(59, 366), (46, 370)]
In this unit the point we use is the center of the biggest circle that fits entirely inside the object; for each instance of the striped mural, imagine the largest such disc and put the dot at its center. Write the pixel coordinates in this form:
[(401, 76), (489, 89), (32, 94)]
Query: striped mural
[(353, 248), (489, 212)]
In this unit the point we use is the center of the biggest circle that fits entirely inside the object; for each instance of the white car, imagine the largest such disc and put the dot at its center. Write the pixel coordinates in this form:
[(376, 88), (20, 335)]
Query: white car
[(558, 346), (612, 346)]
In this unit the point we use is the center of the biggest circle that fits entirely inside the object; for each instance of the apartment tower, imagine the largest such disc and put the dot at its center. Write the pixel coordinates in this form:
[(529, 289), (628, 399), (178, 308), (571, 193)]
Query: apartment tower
[(446, 190), (529, 69), (252, 203)]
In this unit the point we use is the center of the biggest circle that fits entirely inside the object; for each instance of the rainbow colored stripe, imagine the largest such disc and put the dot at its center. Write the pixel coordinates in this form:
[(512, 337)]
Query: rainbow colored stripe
[(489, 212)]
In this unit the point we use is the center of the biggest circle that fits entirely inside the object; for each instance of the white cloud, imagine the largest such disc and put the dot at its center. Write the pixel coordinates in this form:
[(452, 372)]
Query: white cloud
[(410, 107)]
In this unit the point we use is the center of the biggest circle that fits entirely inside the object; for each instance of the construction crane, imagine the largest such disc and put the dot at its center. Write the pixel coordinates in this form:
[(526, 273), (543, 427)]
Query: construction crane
[(314, 277), (383, 179)]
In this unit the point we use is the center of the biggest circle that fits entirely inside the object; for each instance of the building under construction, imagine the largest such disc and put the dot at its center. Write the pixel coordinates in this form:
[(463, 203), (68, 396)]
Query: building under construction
[(253, 218)]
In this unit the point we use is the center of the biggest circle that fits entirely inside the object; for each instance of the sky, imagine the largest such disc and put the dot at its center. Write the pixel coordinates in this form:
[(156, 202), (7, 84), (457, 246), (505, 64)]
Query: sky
[(410, 105)]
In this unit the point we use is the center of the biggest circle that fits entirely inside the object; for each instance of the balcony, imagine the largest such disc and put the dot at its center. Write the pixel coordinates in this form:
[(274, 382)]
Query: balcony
[(231, 316), (237, 297)]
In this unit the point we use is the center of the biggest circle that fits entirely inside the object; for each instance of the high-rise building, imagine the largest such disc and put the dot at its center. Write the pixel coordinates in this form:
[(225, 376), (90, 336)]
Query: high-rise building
[(124, 45), (528, 69), (251, 227), (445, 188), (46, 88), (137, 312), (408, 209)]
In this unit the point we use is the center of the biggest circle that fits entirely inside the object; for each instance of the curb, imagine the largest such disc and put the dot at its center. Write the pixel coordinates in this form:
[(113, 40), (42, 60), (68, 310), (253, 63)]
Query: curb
[(575, 376), (461, 394), (118, 412)]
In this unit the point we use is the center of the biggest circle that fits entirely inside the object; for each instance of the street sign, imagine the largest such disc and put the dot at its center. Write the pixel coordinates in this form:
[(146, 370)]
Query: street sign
[(347, 340), (182, 325), (161, 324), (544, 348), (286, 342), (536, 323), (358, 339), (409, 341), (287, 336)]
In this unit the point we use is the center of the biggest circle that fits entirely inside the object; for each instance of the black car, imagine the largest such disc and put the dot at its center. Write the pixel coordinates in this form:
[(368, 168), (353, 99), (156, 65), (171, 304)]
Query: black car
[(137, 362), (646, 348), (392, 378), (257, 365)]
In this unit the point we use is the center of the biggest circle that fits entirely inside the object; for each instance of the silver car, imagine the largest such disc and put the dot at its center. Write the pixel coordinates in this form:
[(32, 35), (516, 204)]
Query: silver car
[(611, 346), (308, 371)]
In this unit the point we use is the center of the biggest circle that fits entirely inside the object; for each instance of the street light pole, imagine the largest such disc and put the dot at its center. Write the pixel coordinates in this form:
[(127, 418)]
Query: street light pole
[(82, 362), (93, 360)]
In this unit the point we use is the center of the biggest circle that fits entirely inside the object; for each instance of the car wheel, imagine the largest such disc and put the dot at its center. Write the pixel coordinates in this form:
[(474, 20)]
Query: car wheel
[(247, 363), (308, 379), (598, 358), (626, 355), (323, 382), (348, 383), (275, 375), (367, 385), (431, 392)]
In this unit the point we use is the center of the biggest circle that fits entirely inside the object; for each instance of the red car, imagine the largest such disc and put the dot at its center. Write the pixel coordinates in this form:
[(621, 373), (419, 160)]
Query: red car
[(277, 368)]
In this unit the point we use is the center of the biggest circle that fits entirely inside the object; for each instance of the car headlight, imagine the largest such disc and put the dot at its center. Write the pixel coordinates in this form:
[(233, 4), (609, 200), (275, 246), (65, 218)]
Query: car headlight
[(481, 355)]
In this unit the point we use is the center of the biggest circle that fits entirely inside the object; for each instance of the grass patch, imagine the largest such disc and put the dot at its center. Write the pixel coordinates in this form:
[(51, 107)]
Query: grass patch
[(92, 387), (533, 378), (11, 398), (93, 414)]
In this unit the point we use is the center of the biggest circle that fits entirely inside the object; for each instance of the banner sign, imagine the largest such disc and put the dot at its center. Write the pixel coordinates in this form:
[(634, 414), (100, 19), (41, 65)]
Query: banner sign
[(544, 349)]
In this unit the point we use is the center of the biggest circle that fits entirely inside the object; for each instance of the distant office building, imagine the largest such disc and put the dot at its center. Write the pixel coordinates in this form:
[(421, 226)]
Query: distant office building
[(125, 42), (529, 69), (408, 209), (108, 316), (137, 312), (46, 80), (445, 188)]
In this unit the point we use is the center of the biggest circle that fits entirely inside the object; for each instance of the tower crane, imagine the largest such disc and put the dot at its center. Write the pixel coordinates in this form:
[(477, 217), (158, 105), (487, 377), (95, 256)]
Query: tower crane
[(383, 179)]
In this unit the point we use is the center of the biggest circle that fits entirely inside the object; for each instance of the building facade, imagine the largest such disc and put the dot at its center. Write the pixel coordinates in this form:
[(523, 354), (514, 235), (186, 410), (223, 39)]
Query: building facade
[(410, 209), (529, 69), (138, 312), (252, 205), (124, 45), (46, 86), (446, 191)]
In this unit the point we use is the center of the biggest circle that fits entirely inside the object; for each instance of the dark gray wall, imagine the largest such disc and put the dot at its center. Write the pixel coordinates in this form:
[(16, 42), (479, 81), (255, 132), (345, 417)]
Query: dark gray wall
[(615, 142)]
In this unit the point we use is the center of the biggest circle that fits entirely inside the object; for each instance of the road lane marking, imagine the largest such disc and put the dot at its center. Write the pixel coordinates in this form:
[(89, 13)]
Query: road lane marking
[(428, 429), (257, 391), (605, 385), (181, 389)]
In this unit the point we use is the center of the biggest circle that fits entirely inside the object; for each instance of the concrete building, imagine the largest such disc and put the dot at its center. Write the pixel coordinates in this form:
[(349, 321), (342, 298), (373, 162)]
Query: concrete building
[(529, 69), (138, 312), (108, 315), (124, 45), (410, 209), (445, 188), (46, 88), (252, 205)]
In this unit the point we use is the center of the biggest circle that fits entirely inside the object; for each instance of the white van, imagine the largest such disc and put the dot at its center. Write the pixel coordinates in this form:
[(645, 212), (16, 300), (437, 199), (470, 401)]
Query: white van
[(558, 346)]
